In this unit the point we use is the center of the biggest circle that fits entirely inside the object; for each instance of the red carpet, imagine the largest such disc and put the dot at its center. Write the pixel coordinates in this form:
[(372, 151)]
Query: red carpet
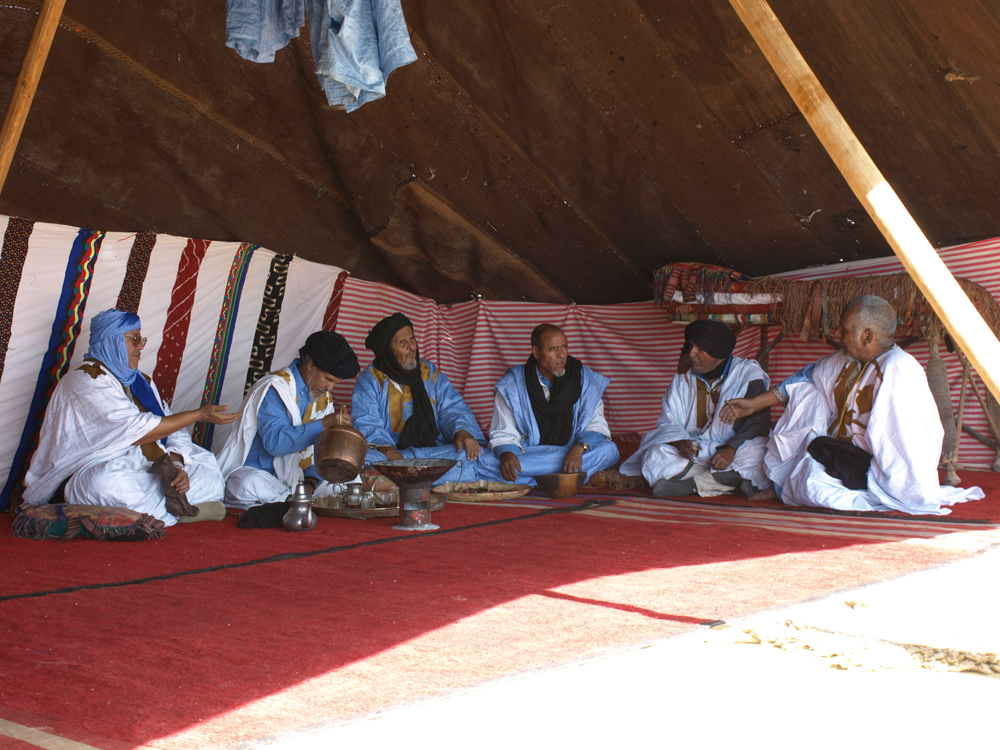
[(217, 635)]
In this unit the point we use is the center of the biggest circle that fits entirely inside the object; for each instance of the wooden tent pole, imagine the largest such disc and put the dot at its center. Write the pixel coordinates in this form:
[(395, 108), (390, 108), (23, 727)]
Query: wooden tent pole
[(27, 82), (930, 274)]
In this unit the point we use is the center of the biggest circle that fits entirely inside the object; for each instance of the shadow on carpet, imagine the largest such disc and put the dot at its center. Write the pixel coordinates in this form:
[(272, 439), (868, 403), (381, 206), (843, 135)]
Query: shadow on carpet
[(216, 636)]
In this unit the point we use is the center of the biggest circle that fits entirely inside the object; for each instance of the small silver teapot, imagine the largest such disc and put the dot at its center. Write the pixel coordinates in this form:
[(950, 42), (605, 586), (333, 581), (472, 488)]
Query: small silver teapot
[(300, 516)]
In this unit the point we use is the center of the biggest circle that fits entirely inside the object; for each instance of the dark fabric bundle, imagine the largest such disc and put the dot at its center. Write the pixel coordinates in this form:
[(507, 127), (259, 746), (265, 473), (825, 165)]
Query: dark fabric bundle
[(555, 416), (331, 353), (842, 460), (420, 430), (712, 337), (267, 516)]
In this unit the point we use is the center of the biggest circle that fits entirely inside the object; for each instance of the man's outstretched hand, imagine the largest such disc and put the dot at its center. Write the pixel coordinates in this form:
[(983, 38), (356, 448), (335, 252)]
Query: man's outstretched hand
[(734, 409), (218, 414)]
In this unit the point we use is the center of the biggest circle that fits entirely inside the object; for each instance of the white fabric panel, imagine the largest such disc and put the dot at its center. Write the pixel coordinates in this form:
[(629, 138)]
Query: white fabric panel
[(212, 279), (34, 311), (307, 295)]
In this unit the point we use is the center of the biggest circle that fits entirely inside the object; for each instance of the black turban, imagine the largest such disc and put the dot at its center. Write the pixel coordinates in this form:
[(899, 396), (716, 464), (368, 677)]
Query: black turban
[(712, 337), (380, 337), (420, 430), (331, 353)]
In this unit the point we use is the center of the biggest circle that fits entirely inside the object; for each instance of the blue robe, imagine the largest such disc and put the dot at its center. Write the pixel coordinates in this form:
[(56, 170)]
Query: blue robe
[(539, 459), (379, 411), (276, 435)]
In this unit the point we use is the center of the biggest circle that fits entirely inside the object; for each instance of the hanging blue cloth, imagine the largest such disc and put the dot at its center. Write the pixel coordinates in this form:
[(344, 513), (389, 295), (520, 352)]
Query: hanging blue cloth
[(356, 44)]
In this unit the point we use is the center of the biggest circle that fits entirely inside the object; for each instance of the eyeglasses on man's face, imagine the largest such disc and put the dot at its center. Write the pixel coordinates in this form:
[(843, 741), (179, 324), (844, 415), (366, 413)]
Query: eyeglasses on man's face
[(137, 341)]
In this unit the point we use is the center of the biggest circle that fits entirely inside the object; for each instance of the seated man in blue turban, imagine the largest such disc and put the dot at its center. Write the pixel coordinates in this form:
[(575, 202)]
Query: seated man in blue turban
[(406, 407), (108, 438), (271, 448), (548, 416), (692, 450)]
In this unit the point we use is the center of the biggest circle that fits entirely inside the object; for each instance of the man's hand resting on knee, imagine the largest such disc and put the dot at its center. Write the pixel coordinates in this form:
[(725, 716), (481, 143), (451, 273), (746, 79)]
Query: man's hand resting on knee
[(510, 466), (723, 457), (573, 462), (463, 440)]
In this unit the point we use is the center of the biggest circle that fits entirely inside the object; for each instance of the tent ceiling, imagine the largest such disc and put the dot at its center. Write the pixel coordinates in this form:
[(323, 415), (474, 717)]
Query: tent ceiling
[(540, 150)]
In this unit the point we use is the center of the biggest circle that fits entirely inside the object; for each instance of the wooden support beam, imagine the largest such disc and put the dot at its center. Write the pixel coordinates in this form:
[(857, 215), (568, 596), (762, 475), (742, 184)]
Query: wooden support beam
[(929, 273), (27, 82)]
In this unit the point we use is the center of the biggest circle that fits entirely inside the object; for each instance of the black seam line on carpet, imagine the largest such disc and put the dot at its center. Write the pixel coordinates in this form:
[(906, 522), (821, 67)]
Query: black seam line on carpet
[(313, 553)]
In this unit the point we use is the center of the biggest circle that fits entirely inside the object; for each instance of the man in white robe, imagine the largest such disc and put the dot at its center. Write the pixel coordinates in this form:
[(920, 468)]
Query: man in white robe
[(548, 416), (691, 450), (271, 449), (108, 438), (869, 395)]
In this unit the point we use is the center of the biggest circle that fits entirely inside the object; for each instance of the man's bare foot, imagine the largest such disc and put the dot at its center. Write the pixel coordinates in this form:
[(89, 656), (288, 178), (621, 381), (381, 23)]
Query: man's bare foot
[(768, 494)]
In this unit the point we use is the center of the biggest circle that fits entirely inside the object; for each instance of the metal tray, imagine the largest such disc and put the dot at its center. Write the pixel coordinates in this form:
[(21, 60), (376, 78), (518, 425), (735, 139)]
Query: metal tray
[(391, 511)]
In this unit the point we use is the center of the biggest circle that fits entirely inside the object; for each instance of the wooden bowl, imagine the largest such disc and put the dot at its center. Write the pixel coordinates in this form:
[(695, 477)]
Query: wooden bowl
[(560, 486)]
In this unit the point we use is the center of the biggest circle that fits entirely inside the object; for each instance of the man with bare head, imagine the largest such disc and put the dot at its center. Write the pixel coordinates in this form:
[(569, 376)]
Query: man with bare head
[(860, 430), (548, 416), (406, 407)]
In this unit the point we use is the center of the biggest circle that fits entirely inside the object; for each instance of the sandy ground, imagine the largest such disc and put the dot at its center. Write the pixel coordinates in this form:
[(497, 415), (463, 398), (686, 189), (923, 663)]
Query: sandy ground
[(833, 672)]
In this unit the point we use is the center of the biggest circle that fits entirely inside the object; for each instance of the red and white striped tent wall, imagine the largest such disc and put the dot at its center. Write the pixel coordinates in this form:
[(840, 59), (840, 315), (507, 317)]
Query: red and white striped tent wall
[(636, 344)]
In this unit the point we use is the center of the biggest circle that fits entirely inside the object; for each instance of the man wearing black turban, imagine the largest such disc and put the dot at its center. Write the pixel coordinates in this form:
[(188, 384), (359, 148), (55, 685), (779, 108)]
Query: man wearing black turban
[(693, 451), (406, 407), (271, 448)]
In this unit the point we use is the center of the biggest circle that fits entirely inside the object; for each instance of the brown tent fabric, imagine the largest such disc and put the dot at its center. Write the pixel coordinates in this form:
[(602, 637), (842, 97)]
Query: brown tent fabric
[(545, 151)]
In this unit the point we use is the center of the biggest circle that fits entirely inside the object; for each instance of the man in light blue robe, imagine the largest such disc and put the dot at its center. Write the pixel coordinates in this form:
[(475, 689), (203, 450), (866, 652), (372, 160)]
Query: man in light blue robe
[(283, 414), (406, 407), (548, 416)]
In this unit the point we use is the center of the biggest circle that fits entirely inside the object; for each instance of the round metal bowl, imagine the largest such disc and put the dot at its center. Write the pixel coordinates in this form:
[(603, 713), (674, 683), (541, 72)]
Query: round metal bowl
[(414, 472), (560, 486)]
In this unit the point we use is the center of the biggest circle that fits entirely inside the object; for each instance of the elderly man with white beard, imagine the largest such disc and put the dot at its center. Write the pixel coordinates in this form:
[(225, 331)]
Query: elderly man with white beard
[(860, 430), (406, 407)]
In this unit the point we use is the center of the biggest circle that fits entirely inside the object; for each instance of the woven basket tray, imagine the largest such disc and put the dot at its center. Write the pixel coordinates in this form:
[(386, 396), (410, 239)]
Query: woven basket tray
[(470, 492)]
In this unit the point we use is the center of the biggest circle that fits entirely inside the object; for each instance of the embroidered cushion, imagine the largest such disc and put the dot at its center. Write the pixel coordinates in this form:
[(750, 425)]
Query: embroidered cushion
[(63, 521)]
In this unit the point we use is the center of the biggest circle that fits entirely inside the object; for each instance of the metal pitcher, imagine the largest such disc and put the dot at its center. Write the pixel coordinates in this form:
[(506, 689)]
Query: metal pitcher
[(339, 453), (300, 516)]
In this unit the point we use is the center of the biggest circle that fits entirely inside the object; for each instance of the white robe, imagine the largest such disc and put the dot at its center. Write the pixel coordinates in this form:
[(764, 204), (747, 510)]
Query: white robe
[(90, 425), (247, 486), (903, 433), (678, 420)]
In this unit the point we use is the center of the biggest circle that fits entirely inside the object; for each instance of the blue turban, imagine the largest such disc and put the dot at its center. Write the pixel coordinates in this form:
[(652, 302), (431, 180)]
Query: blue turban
[(108, 346)]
